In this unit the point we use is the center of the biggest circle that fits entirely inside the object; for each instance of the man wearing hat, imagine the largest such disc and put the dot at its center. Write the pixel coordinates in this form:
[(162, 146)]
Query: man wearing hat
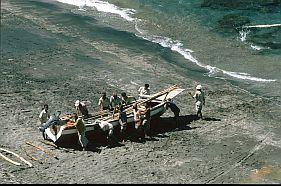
[(81, 108), (199, 96)]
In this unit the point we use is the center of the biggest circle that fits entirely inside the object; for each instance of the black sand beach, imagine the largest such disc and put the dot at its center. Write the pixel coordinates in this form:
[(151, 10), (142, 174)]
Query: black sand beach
[(238, 141)]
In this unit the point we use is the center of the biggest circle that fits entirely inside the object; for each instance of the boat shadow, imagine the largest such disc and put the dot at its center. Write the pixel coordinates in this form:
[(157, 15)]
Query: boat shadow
[(158, 129), (162, 125)]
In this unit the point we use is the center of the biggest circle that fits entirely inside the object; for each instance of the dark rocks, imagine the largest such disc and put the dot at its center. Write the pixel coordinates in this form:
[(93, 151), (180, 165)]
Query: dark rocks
[(266, 37), (232, 21), (257, 5)]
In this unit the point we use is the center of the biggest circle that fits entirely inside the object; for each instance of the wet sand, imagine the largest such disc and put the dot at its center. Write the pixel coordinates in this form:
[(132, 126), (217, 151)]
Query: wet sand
[(238, 141)]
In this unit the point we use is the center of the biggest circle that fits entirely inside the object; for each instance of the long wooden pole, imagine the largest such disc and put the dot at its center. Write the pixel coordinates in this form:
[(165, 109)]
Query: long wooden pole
[(33, 158), (128, 107), (50, 144), (158, 94), (18, 156), (262, 26), (165, 91), (41, 149), (9, 160)]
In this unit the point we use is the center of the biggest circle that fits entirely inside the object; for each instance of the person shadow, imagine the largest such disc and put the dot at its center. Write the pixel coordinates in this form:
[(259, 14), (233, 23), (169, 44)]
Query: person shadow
[(211, 119)]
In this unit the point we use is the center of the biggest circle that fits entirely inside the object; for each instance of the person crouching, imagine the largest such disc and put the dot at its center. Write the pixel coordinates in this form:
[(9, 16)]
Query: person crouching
[(108, 130)]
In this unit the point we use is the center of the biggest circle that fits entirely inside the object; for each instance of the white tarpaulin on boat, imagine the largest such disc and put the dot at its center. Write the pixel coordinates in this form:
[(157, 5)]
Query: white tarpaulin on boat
[(171, 94)]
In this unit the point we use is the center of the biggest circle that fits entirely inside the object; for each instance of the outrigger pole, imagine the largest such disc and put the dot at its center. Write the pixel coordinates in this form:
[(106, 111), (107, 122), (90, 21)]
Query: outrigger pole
[(163, 92), (108, 114)]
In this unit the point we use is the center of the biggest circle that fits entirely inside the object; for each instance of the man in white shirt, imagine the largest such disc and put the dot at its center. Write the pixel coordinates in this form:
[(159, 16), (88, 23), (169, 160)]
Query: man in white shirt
[(199, 97), (44, 114), (144, 91)]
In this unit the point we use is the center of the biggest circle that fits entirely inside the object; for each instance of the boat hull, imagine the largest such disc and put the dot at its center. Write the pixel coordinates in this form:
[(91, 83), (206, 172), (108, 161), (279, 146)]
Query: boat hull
[(63, 134)]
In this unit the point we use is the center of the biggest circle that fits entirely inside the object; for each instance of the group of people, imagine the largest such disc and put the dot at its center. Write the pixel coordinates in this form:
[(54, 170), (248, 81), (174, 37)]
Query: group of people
[(115, 104)]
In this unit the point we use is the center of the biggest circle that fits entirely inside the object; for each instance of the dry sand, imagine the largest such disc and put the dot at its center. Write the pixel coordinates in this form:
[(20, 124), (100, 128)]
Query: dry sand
[(238, 141)]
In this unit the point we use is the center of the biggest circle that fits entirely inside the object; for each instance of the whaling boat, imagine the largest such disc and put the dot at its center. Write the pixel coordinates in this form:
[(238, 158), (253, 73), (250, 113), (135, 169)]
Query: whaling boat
[(59, 134)]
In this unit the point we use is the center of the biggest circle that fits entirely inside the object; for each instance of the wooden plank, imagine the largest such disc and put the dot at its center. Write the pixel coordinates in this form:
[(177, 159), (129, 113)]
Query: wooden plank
[(41, 149), (171, 94), (30, 156), (48, 143)]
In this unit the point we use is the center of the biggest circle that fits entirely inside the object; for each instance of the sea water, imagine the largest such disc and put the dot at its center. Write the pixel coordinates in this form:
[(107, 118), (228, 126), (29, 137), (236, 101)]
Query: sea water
[(205, 38), (196, 31)]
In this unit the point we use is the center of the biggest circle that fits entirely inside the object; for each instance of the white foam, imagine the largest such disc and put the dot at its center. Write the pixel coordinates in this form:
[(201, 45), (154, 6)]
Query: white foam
[(102, 6), (255, 47), (246, 76), (173, 45), (243, 34), (186, 53)]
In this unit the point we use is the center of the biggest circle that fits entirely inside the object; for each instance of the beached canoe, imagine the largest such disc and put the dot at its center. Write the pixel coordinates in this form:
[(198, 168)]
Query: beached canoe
[(68, 132)]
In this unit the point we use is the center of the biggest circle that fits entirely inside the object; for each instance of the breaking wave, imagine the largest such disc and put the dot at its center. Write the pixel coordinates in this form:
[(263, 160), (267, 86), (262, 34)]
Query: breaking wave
[(102, 6), (243, 37)]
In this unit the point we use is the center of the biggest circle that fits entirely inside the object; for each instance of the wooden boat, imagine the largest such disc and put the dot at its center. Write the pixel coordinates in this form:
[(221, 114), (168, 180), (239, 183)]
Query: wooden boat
[(68, 132)]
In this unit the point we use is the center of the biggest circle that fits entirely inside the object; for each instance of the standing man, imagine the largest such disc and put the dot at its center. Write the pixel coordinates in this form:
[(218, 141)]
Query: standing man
[(199, 96), (138, 129), (44, 114), (146, 123), (123, 123), (144, 91), (115, 101), (127, 100), (104, 102)]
